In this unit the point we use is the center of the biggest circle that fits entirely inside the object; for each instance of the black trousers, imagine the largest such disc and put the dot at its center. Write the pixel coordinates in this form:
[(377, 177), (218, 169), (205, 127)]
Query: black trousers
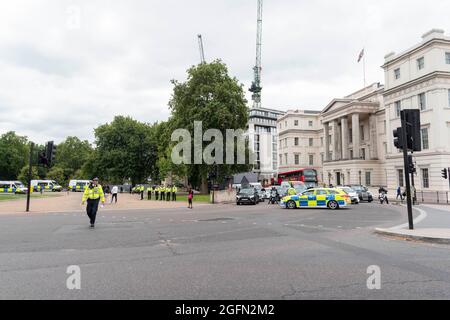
[(149, 195), (163, 196), (142, 195), (114, 197), (174, 196), (156, 195), (91, 209)]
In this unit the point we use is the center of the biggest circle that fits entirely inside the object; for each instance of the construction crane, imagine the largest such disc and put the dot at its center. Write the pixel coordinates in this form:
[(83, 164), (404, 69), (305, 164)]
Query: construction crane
[(202, 52), (256, 84)]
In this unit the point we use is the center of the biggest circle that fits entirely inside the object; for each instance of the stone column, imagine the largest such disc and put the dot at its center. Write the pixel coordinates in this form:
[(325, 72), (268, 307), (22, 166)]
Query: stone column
[(336, 140), (355, 136), (373, 137), (344, 134), (326, 132)]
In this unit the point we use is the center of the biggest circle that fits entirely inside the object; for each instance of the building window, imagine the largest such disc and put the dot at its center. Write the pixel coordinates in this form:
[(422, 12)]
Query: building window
[(285, 124), (311, 159), (398, 108), (384, 127), (368, 182), (350, 136), (363, 154), (400, 177), (311, 142), (425, 179), (447, 57), (351, 154), (397, 73), (296, 123), (285, 158), (422, 101), (321, 141), (296, 141), (321, 157), (297, 159), (420, 63), (361, 133), (424, 134), (281, 159), (310, 123)]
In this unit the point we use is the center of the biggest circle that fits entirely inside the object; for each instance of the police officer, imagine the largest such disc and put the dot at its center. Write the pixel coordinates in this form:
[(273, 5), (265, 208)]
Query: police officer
[(168, 192), (163, 193), (174, 193), (292, 191), (141, 190), (93, 194), (156, 193), (149, 193)]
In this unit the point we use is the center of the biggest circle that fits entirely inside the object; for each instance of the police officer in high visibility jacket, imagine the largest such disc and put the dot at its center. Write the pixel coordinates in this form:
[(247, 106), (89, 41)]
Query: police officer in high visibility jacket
[(93, 194), (162, 193), (292, 191), (156, 192), (174, 193), (141, 190), (149, 192)]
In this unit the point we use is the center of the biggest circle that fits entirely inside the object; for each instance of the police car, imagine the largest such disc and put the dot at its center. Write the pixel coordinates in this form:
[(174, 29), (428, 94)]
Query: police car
[(317, 198)]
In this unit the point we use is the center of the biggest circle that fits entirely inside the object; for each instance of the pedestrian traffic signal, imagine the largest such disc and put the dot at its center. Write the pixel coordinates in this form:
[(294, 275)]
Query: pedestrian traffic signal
[(398, 138), (444, 173)]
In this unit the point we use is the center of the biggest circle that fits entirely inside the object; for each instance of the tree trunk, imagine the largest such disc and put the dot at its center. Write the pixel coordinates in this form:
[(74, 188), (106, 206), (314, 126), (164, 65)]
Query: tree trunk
[(204, 186)]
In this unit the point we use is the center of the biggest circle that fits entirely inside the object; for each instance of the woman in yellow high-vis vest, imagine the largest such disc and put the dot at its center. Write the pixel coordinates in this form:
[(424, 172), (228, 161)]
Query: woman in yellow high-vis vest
[(93, 194)]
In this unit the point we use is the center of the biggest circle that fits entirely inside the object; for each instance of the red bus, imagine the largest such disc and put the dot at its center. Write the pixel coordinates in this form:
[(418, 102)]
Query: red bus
[(305, 175)]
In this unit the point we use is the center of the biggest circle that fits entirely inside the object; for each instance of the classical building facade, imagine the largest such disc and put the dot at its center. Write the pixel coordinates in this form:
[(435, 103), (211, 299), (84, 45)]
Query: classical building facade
[(419, 78), (352, 140)]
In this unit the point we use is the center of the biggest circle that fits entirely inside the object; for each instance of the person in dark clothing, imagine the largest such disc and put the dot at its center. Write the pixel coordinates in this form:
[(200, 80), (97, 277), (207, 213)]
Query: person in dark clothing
[(93, 194), (190, 198)]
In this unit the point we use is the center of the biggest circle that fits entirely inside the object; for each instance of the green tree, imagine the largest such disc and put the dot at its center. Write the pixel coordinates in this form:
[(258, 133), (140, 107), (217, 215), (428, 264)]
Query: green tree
[(211, 96), (126, 149), (57, 174), (14, 154), (23, 174), (71, 155)]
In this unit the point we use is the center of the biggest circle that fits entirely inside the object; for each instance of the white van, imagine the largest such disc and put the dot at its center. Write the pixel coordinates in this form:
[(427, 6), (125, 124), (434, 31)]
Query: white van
[(78, 185), (12, 187), (45, 185)]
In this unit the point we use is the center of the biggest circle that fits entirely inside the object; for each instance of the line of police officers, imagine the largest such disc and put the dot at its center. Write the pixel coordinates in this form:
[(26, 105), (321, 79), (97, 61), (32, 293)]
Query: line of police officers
[(162, 193)]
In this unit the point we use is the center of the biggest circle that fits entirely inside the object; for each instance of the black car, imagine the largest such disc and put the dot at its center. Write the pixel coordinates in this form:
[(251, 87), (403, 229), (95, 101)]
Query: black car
[(247, 196)]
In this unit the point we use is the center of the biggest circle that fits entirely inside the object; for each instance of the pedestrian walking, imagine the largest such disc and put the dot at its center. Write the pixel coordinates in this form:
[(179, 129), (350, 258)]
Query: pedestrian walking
[(399, 193), (114, 192), (93, 194), (190, 198)]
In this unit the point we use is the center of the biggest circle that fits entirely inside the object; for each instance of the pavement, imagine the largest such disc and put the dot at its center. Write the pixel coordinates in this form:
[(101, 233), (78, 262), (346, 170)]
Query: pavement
[(218, 252), (431, 225), (71, 201)]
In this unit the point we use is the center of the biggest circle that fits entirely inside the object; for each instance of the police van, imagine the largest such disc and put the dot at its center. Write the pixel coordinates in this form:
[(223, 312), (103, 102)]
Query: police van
[(45, 185), (14, 187), (78, 185)]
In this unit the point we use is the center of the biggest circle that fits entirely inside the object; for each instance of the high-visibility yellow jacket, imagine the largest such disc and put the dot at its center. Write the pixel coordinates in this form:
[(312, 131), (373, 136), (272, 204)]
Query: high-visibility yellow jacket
[(94, 193), (174, 189), (292, 191)]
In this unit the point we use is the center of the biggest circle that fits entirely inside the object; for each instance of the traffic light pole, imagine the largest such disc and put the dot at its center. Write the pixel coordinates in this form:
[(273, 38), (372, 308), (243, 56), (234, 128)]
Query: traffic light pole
[(405, 160), (30, 171)]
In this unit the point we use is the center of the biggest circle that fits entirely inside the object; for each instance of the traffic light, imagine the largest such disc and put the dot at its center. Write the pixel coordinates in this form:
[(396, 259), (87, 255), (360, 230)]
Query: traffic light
[(444, 173), (411, 167), (42, 158), (412, 117), (398, 138), (50, 150)]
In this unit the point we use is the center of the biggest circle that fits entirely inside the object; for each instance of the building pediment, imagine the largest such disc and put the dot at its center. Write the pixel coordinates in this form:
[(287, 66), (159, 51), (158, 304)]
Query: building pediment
[(335, 103)]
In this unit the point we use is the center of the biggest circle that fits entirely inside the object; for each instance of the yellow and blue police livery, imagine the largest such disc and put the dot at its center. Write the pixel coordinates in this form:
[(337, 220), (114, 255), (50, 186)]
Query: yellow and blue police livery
[(317, 198)]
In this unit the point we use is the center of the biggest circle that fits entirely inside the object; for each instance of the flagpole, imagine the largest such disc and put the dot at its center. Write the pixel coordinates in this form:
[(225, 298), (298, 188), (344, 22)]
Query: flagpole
[(364, 67)]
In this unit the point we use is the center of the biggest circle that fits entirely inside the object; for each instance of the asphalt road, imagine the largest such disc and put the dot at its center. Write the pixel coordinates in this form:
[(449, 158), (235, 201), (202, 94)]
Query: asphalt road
[(218, 252)]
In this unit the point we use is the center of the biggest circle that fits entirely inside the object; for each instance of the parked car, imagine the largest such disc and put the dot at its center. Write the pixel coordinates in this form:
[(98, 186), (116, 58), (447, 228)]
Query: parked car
[(352, 193), (249, 195), (363, 193), (261, 193)]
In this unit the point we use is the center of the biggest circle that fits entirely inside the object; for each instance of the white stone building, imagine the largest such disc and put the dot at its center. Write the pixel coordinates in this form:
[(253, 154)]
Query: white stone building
[(354, 133)]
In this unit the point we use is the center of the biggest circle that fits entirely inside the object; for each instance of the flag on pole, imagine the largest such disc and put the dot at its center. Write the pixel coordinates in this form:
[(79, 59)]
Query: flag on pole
[(361, 55)]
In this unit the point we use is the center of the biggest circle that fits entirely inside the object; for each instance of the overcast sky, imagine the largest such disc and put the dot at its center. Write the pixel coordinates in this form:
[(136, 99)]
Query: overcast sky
[(68, 66)]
